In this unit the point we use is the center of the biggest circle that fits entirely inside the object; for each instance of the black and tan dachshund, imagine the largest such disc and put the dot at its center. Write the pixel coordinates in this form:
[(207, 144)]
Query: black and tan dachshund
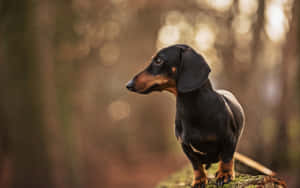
[(208, 122)]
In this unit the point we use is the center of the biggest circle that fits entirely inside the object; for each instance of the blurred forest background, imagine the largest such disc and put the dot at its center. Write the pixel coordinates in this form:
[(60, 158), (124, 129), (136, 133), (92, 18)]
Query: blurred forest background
[(66, 119)]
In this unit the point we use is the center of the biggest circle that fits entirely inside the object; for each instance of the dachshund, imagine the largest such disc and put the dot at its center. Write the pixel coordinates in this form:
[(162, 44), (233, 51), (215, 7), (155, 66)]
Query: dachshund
[(208, 122)]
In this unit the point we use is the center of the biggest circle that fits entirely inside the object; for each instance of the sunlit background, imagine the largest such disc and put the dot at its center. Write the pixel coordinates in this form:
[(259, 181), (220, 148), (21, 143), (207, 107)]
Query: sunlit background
[(97, 134)]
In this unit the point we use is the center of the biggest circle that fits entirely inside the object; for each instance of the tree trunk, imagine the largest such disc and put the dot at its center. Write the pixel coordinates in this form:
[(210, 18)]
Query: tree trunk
[(21, 105), (284, 105)]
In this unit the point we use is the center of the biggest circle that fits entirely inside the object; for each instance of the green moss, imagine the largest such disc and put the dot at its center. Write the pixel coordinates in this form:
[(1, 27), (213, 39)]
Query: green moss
[(251, 186), (184, 178)]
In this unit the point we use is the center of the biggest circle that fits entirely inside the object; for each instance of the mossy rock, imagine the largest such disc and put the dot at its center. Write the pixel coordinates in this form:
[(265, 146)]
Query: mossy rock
[(184, 178)]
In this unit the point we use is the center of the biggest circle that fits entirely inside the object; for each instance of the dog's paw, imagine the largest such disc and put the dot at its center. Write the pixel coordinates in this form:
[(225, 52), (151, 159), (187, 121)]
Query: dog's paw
[(224, 177), (199, 182)]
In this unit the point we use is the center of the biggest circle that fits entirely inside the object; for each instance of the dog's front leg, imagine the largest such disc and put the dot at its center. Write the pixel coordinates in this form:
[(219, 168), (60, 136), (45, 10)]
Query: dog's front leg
[(200, 178), (225, 172)]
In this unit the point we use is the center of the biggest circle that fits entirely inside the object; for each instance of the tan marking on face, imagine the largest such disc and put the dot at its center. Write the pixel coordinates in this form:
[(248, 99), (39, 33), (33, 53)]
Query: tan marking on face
[(200, 176), (145, 80), (172, 90)]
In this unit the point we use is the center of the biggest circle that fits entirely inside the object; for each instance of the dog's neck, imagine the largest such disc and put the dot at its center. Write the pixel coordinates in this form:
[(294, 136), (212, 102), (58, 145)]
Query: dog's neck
[(206, 85), (196, 103)]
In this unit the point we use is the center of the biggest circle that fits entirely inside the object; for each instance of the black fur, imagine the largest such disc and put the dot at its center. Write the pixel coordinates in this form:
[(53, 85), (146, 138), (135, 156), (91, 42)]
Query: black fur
[(193, 71), (208, 122)]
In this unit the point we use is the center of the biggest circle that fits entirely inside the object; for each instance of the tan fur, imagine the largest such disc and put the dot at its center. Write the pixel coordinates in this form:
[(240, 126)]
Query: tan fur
[(226, 171), (172, 90), (200, 176), (145, 80)]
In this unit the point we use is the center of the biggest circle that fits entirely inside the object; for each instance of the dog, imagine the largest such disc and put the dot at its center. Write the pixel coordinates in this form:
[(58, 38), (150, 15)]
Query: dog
[(208, 122)]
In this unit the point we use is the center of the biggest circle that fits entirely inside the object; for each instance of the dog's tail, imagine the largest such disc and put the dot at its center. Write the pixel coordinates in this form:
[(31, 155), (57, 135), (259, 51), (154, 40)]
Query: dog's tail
[(253, 164)]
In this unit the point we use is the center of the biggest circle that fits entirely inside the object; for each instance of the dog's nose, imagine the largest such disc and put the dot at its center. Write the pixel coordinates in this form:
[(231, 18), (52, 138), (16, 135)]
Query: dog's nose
[(130, 85)]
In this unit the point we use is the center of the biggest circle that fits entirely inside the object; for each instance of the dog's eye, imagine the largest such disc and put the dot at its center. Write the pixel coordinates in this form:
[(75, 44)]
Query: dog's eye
[(158, 61)]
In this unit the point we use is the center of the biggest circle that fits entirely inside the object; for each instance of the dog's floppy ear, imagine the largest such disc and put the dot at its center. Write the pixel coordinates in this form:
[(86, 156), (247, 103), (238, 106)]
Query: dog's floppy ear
[(193, 71)]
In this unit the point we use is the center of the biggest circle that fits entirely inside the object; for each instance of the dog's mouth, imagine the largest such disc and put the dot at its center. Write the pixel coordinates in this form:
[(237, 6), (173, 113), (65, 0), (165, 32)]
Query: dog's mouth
[(145, 83), (155, 87), (131, 87)]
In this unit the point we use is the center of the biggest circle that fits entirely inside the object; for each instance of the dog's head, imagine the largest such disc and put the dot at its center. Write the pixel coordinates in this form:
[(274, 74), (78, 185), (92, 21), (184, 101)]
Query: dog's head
[(175, 68)]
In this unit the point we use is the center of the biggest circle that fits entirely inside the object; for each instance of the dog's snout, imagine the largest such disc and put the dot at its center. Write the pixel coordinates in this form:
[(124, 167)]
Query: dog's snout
[(130, 85)]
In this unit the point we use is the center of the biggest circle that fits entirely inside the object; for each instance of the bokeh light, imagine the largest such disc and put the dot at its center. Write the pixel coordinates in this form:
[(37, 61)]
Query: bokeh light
[(242, 24), (277, 23), (169, 34), (174, 17), (220, 5), (248, 6), (118, 110), (109, 53), (205, 37)]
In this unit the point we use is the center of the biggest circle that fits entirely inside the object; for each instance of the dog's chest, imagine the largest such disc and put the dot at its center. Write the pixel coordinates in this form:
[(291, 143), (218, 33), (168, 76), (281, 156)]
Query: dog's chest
[(201, 140), (199, 121)]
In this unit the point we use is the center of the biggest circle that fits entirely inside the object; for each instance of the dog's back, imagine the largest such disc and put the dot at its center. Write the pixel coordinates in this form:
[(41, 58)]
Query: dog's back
[(234, 107)]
